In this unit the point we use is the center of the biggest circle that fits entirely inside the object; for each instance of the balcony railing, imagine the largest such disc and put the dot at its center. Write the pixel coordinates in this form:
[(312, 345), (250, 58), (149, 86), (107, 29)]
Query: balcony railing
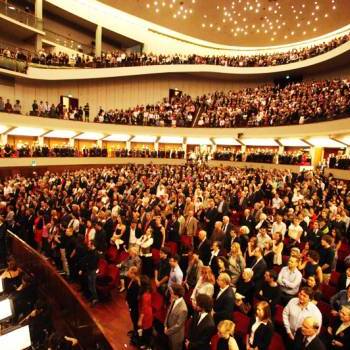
[(19, 15)]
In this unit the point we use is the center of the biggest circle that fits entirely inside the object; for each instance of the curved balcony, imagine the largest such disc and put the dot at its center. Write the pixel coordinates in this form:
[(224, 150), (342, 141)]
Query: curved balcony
[(329, 60)]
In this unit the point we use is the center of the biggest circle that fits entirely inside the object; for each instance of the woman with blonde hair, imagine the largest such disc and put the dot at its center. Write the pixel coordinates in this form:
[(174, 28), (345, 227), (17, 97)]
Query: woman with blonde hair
[(236, 261), (205, 284), (226, 340)]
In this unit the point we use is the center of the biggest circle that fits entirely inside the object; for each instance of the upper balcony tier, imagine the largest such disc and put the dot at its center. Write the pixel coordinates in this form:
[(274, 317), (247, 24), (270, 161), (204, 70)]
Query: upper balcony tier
[(265, 66)]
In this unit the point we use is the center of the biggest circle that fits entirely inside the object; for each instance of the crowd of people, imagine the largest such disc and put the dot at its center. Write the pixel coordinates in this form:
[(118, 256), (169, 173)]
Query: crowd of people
[(259, 250), (295, 103), (339, 161), (119, 58)]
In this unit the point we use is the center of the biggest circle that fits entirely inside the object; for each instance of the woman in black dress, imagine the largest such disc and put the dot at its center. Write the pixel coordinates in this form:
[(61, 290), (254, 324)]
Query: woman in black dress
[(261, 329)]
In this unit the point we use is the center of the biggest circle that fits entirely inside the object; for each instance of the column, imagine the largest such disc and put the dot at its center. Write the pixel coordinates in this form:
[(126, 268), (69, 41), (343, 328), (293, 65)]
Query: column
[(316, 154), (156, 146), (184, 148), (39, 24), (280, 151), (71, 143), (128, 145), (99, 143), (3, 139), (40, 141), (98, 41), (347, 151)]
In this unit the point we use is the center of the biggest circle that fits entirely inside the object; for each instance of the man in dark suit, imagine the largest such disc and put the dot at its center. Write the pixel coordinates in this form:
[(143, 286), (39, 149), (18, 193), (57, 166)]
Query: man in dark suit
[(306, 337), (344, 280), (247, 220), (202, 326), (259, 267), (224, 300), (203, 247), (226, 226)]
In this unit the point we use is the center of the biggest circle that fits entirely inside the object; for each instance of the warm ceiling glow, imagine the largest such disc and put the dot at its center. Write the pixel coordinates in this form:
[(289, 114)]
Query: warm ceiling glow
[(293, 142), (259, 142), (117, 137), (90, 136), (61, 134), (23, 131), (3, 128), (171, 139), (226, 141), (198, 141), (146, 139), (344, 139), (325, 142)]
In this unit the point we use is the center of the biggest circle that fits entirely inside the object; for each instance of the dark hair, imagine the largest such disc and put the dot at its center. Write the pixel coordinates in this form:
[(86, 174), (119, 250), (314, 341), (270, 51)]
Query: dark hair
[(145, 284), (273, 274), (165, 250), (204, 302), (225, 261), (328, 239), (178, 290), (314, 255), (176, 258), (307, 290)]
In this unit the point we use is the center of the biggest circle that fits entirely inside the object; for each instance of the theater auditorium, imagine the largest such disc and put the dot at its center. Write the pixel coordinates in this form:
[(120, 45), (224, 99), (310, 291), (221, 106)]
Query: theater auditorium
[(174, 174)]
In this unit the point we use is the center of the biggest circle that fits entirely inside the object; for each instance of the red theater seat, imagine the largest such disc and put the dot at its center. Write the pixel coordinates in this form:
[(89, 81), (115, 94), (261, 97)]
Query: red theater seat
[(278, 315), (327, 291), (108, 282), (334, 280), (112, 254), (172, 246), (276, 342), (214, 342), (242, 324)]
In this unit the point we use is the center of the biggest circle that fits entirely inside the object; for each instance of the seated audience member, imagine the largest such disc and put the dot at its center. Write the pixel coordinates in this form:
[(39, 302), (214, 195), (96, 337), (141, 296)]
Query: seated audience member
[(202, 326), (226, 340), (132, 260), (261, 329), (340, 299), (224, 300), (162, 271), (270, 290), (306, 337), (338, 336), (174, 324), (297, 309), (57, 341), (12, 275), (205, 284), (289, 279)]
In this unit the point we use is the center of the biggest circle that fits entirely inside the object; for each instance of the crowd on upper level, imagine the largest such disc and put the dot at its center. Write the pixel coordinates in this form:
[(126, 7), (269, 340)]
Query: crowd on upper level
[(296, 103), (266, 251), (119, 58)]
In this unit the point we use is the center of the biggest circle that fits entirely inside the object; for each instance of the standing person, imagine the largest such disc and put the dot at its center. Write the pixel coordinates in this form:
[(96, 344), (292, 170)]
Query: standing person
[(176, 275), (306, 337), (87, 113), (296, 310), (174, 325), (202, 325), (145, 243), (261, 330), (224, 300), (132, 298), (3, 242), (226, 340), (89, 266), (203, 247), (145, 321), (339, 333)]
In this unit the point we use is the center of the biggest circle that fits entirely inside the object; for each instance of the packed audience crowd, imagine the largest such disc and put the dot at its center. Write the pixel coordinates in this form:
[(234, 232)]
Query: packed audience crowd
[(339, 161), (296, 103), (260, 255), (118, 58)]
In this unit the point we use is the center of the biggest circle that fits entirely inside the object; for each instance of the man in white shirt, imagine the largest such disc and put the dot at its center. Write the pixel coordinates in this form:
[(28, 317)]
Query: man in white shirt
[(298, 309), (290, 279), (263, 238), (279, 226), (277, 202)]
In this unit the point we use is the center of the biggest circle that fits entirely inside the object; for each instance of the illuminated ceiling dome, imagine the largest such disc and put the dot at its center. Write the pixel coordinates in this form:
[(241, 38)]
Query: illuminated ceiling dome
[(243, 22)]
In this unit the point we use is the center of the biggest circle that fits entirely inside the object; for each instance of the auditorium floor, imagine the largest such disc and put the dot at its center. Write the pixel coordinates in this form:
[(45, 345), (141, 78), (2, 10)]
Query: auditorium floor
[(113, 318)]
